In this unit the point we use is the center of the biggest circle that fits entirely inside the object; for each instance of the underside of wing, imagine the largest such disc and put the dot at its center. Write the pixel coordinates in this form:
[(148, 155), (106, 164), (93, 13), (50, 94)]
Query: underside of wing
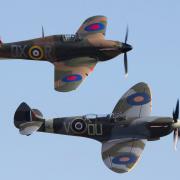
[(70, 74), (136, 102), (122, 155), (95, 25)]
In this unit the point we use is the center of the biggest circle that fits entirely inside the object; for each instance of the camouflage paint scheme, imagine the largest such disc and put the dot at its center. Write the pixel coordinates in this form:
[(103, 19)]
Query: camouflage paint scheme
[(123, 133), (74, 56)]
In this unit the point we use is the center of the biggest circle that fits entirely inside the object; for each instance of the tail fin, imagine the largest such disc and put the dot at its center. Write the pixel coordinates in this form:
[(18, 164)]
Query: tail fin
[(27, 120)]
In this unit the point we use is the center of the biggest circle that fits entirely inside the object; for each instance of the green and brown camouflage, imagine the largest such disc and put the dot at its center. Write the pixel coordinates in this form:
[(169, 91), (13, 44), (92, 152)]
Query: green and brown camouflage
[(74, 56), (58, 48), (123, 133)]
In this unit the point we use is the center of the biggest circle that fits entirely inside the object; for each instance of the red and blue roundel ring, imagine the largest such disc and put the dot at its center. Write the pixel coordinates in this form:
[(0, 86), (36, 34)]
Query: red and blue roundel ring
[(72, 78), (124, 159), (94, 27), (138, 99)]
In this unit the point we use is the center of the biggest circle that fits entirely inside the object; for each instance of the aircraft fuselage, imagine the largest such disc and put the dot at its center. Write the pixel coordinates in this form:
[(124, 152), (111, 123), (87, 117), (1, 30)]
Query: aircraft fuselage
[(60, 48), (109, 128)]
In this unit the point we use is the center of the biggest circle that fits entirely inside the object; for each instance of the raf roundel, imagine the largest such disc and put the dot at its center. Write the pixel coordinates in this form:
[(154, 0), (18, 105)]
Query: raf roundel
[(138, 99), (78, 126), (36, 52), (124, 159), (94, 27), (72, 78)]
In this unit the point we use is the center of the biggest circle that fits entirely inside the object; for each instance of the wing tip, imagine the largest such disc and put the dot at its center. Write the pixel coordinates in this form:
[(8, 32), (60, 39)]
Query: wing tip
[(94, 17), (64, 90)]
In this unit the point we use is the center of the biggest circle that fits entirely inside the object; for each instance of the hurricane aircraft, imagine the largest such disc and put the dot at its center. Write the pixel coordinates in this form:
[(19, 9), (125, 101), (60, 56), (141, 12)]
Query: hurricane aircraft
[(74, 56), (123, 133)]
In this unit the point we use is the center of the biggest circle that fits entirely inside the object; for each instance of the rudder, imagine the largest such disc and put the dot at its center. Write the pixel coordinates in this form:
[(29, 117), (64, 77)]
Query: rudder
[(27, 120)]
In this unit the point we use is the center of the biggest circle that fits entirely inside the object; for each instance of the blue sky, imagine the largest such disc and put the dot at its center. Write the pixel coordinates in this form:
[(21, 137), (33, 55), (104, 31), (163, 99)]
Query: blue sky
[(154, 33)]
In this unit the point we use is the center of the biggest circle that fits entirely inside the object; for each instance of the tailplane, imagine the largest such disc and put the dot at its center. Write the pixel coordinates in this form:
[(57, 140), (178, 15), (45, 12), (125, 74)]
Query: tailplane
[(27, 120)]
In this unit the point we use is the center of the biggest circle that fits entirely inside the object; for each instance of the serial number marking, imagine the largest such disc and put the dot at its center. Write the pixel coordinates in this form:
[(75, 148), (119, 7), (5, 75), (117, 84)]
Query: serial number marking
[(92, 129), (32, 52)]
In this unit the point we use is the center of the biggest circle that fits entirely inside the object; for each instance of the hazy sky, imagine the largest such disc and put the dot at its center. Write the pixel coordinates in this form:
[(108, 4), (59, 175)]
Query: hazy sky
[(154, 33)]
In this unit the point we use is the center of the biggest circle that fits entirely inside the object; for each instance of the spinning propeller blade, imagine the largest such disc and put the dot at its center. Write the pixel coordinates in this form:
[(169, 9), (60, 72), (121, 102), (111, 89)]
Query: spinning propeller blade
[(125, 64), (126, 36), (175, 138), (176, 112), (176, 125), (126, 48)]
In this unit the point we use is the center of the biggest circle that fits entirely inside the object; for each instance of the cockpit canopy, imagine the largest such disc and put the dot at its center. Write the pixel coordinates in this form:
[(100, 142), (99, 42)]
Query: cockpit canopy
[(70, 37), (114, 117), (96, 116)]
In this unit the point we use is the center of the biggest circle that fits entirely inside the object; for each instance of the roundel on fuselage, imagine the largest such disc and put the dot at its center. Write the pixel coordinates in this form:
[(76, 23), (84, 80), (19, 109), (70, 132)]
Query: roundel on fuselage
[(78, 126), (36, 52)]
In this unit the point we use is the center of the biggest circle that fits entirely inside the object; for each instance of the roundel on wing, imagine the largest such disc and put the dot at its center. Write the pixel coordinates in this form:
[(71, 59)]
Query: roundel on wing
[(124, 159), (72, 78), (138, 99), (94, 27)]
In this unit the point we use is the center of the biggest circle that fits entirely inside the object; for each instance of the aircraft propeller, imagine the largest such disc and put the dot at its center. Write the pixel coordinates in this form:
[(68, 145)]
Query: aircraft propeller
[(126, 48), (176, 125)]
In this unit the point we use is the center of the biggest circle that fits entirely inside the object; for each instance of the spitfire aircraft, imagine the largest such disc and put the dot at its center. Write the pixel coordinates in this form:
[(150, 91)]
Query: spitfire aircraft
[(123, 133), (74, 56)]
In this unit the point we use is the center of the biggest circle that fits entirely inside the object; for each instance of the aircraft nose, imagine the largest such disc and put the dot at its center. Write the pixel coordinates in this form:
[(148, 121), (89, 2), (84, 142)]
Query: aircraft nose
[(126, 47)]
